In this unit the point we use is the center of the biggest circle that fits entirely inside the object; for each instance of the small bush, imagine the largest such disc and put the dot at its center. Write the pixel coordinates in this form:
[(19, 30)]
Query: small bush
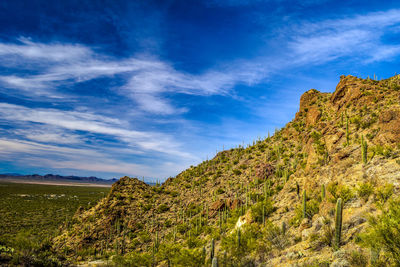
[(257, 210), (220, 191), (275, 236), (237, 172), (383, 232), (162, 208), (312, 209), (340, 191), (364, 190), (358, 258), (384, 192)]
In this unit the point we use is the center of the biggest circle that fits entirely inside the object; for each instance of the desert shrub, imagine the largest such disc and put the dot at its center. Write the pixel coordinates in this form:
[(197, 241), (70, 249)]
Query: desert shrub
[(384, 192), (237, 172), (146, 207), (312, 209), (174, 193), (162, 208), (220, 191), (275, 236), (248, 242), (340, 191), (182, 228), (325, 237), (364, 190), (258, 208), (385, 151), (383, 232), (357, 258)]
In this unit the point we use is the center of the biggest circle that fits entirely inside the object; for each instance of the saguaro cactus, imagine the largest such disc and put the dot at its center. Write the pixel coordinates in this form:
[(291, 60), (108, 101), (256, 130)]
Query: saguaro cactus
[(323, 192), (212, 249), (364, 150), (214, 262), (284, 228), (238, 237), (347, 130), (338, 223), (304, 204)]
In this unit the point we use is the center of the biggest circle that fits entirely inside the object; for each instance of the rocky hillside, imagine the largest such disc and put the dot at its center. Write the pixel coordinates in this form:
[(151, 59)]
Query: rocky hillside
[(276, 202)]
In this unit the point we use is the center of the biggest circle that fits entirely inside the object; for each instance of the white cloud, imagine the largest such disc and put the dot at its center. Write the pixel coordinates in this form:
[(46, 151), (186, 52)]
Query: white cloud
[(146, 79), (87, 122), (68, 158), (55, 52), (358, 37)]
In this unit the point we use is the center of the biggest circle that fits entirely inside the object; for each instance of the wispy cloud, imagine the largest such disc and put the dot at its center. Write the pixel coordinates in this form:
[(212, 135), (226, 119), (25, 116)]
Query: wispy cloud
[(68, 158), (87, 122), (359, 37), (146, 79)]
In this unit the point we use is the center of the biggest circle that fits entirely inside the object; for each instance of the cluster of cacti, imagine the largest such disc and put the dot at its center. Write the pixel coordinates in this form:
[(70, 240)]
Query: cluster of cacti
[(364, 150), (338, 223)]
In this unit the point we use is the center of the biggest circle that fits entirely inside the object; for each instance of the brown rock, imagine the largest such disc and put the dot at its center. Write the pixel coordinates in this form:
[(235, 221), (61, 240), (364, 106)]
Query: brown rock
[(346, 91), (313, 115), (390, 128), (306, 100)]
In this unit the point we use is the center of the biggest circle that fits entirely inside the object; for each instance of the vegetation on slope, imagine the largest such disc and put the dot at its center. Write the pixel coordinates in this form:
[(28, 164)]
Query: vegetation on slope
[(301, 197)]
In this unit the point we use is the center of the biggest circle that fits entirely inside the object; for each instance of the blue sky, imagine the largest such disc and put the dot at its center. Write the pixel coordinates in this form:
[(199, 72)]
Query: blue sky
[(148, 88)]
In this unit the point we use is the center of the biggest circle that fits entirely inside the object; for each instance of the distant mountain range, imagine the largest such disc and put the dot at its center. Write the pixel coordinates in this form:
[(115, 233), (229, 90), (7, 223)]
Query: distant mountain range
[(56, 178)]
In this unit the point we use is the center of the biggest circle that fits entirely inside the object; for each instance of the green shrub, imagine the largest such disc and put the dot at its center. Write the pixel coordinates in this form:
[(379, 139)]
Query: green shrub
[(357, 258), (259, 208), (237, 172), (385, 151), (364, 190), (249, 234), (220, 191), (383, 232), (384, 192), (162, 208), (340, 191), (312, 209), (275, 236)]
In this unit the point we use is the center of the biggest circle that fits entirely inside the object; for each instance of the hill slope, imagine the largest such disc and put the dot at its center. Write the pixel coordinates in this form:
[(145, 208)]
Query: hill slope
[(249, 200)]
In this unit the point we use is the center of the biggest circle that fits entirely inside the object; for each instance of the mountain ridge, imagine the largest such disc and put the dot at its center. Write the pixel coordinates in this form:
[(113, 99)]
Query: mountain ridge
[(263, 203), (56, 177)]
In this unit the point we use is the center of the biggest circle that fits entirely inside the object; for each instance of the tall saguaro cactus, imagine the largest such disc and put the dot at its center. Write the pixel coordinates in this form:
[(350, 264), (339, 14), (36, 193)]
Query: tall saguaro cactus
[(214, 262), (304, 204), (212, 249), (238, 236), (347, 130), (364, 150), (323, 192), (338, 223)]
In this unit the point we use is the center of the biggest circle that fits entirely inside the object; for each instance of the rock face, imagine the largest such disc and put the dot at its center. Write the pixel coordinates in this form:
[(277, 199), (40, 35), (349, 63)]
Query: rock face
[(320, 147), (346, 91)]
